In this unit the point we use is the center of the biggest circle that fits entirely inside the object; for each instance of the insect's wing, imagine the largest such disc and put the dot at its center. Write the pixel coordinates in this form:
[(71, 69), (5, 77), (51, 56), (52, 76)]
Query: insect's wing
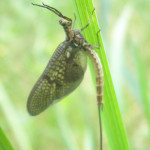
[(62, 75)]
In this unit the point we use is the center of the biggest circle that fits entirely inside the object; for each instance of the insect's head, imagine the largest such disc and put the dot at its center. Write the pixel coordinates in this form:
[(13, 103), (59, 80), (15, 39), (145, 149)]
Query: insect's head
[(65, 24)]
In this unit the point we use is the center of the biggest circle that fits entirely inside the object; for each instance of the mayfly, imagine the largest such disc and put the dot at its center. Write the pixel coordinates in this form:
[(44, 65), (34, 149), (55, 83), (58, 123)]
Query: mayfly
[(66, 69)]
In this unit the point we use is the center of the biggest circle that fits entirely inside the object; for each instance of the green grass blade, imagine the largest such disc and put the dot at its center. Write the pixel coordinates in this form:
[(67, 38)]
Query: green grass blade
[(111, 116), (15, 123), (4, 142), (142, 84)]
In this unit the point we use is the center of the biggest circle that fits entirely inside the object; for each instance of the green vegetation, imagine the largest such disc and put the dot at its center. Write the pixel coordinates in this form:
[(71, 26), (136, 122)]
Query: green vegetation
[(4, 143), (111, 114)]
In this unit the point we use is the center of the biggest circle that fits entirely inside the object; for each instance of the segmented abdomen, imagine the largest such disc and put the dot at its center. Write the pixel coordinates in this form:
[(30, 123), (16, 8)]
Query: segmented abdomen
[(98, 73)]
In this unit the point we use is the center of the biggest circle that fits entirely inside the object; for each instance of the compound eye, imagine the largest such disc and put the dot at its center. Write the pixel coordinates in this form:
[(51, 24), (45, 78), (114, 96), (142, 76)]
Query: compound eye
[(69, 23), (62, 22)]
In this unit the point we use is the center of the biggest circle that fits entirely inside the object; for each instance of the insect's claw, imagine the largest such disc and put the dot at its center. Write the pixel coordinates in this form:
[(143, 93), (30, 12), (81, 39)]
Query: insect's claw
[(98, 31)]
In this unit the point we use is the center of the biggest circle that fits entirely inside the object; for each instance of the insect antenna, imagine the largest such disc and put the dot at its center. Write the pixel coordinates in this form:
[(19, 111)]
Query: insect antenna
[(58, 13)]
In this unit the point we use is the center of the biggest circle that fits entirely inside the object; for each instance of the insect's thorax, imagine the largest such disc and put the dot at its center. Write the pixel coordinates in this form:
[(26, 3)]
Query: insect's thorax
[(75, 37)]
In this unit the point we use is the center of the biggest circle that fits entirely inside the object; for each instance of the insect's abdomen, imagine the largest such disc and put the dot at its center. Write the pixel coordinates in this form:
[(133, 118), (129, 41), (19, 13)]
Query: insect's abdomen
[(98, 73), (61, 76)]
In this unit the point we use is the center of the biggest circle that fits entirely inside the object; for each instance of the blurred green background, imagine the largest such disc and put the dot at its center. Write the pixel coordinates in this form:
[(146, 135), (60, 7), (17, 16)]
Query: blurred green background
[(28, 37)]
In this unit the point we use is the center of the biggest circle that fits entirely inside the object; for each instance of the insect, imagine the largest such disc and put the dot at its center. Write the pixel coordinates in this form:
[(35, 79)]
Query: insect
[(66, 68)]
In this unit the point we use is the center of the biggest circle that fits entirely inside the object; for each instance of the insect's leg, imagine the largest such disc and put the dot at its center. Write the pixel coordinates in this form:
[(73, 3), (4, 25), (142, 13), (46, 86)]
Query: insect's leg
[(74, 21), (89, 21), (95, 46), (98, 47)]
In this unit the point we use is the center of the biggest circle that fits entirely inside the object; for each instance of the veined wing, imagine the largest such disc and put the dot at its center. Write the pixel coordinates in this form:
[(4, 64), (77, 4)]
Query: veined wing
[(62, 75)]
